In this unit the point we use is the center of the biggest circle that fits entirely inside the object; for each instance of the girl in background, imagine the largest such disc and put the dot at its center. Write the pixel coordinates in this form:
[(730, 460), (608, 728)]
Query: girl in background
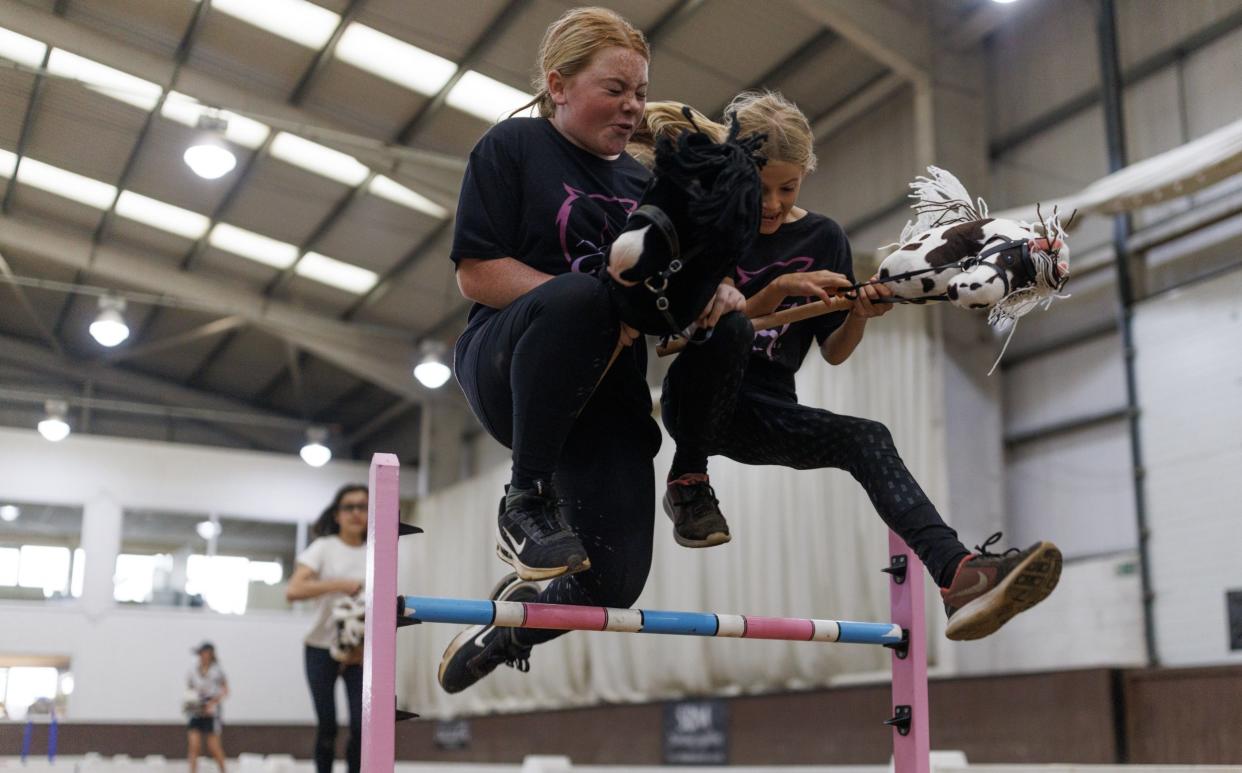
[(207, 684), (333, 568)]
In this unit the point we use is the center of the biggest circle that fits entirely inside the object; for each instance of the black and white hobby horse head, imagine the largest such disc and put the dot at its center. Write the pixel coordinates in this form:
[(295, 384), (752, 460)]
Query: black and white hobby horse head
[(954, 251), (349, 627), (698, 216)]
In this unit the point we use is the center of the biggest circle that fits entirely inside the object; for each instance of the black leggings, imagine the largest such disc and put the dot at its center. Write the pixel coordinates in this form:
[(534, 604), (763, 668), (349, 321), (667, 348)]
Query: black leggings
[(321, 674), (761, 428), (530, 373)]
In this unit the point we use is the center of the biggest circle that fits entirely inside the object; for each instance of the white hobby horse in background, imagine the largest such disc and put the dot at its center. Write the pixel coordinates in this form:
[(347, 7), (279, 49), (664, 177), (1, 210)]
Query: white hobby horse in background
[(955, 252)]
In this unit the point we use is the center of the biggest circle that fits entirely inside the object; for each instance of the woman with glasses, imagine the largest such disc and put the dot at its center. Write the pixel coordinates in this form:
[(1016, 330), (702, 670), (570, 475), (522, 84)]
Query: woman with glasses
[(330, 570)]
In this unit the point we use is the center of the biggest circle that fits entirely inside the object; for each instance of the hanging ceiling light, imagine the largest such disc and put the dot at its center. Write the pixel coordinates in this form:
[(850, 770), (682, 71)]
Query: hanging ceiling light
[(54, 427), (315, 453), (209, 156), (208, 530), (109, 328), (9, 513), (431, 371)]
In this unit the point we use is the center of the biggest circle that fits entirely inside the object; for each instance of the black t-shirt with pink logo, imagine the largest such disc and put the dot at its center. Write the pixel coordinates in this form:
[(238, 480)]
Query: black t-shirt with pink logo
[(811, 243), (532, 195)]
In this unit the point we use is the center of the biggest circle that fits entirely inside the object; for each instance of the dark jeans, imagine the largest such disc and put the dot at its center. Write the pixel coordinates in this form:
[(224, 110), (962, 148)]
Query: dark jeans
[(531, 373), (321, 674), (764, 428), (705, 379)]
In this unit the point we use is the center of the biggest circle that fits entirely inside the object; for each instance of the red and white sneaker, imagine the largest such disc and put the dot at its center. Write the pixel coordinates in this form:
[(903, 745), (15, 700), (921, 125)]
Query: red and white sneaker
[(691, 504)]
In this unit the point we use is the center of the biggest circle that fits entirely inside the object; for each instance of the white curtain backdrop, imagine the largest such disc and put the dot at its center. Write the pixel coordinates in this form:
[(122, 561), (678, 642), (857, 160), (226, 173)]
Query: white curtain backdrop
[(805, 544)]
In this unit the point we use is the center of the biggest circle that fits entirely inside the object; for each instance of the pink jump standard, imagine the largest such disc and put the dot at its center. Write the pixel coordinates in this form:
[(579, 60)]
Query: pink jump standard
[(905, 635)]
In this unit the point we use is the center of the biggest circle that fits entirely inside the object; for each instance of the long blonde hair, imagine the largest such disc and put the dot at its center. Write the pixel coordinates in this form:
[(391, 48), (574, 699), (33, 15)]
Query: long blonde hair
[(572, 41), (668, 119), (789, 135)]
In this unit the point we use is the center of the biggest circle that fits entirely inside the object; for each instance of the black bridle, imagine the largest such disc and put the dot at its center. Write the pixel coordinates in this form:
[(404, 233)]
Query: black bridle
[(657, 283)]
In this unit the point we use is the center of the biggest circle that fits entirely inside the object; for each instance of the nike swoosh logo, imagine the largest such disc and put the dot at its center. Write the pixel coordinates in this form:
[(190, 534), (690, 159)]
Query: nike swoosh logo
[(516, 545), (480, 641), (981, 582)]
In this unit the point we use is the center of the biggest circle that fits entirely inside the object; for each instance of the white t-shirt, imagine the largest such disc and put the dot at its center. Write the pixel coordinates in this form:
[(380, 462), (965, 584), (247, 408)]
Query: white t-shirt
[(206, 685), (331, 559)]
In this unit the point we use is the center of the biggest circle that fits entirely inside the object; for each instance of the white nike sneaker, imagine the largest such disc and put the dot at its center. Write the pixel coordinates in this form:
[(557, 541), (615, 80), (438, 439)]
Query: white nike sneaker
[(533, 538), (477, 651)]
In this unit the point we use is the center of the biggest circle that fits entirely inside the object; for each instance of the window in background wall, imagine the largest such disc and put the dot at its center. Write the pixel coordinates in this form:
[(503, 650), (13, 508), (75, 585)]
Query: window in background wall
[(40, 553), (229, 565), (10, 566), (33, 685), (135, 576)]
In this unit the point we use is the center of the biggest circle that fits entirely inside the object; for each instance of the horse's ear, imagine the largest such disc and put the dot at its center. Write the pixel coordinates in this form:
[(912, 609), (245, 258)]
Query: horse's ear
[(689, 116)]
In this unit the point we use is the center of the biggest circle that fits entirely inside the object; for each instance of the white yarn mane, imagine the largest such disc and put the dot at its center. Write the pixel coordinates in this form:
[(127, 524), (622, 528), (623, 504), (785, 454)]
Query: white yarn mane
[(940, 199)]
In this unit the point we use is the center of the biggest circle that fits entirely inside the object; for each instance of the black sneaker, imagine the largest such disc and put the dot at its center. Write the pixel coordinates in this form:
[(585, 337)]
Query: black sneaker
[(691, 503), (477, 651), (532, 536), (989, 589)]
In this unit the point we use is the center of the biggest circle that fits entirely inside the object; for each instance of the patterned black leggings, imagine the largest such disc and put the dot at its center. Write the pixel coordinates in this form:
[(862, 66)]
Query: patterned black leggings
[(761, 428)]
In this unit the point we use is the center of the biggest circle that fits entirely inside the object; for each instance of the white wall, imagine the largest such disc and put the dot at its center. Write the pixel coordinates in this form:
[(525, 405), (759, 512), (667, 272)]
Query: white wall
[(130, 664), (162, 476), (975, 459), (1077, 488), (1093, 619), (1190, 387)]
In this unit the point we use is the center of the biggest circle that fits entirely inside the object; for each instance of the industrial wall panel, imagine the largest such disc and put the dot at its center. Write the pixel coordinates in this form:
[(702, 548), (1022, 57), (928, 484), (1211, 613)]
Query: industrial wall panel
[(1074, 488), (867, 165), (1213, 98), (1145, 29), (1074, 381), (1189, 386), (1091, 305), (1027, 79), (1094, 618)]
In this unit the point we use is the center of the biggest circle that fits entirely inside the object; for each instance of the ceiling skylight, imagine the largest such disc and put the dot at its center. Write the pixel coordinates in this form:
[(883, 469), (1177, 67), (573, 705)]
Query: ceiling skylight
[(397, 193), (8, 162), (319, 159), (248, 244), (165, 217), (394, 60), (336, 273), (21, 49), (106, 80), (69, 185), (297, 20), (186, 109), (485, 97), (192, 225)]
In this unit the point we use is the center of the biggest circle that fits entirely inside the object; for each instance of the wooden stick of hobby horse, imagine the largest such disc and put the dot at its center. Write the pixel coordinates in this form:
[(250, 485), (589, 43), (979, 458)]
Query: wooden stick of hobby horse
[(769, 321)]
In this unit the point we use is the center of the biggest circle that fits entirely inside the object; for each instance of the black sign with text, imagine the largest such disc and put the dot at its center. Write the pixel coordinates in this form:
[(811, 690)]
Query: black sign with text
[(696, 733), (452, 734), (1233, 603)]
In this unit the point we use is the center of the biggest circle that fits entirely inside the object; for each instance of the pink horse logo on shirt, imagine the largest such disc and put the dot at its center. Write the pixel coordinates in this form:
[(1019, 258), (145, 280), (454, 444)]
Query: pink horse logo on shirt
[(767, 340), (579, 255)]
